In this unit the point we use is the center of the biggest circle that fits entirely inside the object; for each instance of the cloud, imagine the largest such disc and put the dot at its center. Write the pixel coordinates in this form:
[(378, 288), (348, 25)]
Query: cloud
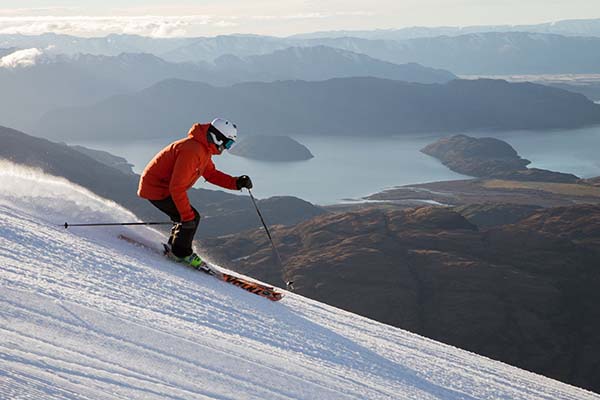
[(153, 26), (34, 11), (225, 24), (314, 15), (21, 58), (149, 25)]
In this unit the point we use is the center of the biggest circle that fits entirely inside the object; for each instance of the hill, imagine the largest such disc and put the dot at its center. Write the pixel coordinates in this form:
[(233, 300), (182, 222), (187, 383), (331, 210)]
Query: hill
[(523, 293), (482, 191), (106, 158), (345, 106), (85, 315)]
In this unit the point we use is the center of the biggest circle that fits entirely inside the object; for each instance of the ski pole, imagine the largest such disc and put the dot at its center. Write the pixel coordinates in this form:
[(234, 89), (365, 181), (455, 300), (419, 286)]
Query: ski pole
[(289, 284), (66, 225)]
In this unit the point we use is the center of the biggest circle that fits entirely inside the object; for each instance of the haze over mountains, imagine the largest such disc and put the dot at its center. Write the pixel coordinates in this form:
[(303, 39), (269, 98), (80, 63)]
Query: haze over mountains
[(110, 45), (523, 49), (49, 71), (580, 27), (36, 82), (138, 70), (320, 63), (115, 44), (502, 53), (475, 53)]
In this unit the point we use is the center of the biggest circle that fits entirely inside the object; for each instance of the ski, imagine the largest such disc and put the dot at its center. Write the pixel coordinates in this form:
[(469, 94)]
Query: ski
[(253, 287), (259, 289)]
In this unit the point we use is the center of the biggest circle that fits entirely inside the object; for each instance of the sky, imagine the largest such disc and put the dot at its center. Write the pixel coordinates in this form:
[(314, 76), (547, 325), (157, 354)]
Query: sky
[(162, 18)]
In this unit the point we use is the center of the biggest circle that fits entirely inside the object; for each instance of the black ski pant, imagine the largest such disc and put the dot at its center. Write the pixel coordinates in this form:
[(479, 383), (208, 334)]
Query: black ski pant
[(181, 238)]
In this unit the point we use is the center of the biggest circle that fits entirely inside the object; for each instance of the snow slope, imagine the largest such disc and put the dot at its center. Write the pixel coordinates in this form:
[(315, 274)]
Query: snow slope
[(84, 315)]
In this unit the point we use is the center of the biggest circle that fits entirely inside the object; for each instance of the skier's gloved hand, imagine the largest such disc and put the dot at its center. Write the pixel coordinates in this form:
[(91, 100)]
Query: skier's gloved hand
[(244, 181), (189, 224)]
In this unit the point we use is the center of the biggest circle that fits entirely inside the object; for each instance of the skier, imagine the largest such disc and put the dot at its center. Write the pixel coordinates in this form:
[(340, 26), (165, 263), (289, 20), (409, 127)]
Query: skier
[(176, 168)]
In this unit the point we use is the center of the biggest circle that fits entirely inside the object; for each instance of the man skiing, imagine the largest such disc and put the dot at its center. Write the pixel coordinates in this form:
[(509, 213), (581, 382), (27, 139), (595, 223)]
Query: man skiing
[(167, 178)]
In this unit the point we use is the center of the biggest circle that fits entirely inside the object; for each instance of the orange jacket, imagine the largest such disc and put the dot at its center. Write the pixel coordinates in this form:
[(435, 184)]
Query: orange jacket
[(178, 166)]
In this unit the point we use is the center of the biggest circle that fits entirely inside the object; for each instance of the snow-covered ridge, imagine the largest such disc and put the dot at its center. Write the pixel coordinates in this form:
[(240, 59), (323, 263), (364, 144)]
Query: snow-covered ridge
[(21, 58), (84, 315)]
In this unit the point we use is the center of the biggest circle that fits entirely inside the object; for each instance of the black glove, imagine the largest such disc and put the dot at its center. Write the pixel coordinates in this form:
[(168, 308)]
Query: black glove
[(192, 224), (244, 181), (189, 224)]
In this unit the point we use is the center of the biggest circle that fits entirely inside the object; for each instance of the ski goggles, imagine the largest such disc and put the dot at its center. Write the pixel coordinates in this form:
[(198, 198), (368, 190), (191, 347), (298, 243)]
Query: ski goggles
[(220, 140), (228, 143)]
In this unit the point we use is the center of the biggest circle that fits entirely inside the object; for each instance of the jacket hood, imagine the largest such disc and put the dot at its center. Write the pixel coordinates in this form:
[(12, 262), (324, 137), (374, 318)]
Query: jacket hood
[(198, 132)]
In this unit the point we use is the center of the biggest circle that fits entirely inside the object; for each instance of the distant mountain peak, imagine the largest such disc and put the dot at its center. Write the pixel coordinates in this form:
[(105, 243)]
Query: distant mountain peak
[(24, 58)]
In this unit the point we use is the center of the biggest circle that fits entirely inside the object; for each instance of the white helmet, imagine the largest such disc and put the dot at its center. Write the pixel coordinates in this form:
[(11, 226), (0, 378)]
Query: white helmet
[(228, 129)]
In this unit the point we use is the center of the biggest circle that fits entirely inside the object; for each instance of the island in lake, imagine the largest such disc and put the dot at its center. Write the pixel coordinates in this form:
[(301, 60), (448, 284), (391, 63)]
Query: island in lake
[(501, 177), (271, 148), (490, 158)]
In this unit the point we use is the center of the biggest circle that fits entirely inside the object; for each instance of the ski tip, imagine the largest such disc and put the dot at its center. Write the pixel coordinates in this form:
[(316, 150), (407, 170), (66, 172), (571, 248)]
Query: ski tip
[(276, 297)]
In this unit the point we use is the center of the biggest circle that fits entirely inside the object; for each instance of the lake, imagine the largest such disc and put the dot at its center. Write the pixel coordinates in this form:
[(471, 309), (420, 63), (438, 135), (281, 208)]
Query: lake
[(353, 167)]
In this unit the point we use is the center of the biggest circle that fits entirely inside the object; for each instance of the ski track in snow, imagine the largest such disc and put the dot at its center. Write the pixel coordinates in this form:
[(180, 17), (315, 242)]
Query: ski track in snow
[(84, 315)]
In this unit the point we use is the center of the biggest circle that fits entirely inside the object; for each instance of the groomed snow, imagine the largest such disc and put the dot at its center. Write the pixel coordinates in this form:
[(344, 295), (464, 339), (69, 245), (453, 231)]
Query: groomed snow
[(84, 315)]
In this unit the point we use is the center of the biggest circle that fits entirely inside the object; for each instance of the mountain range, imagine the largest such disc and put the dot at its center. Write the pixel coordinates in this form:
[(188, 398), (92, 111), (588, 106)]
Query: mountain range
[(51, 71), (573, 27), (344, 106), (479, 52), (485, 53), (7, 51), (318, 63), (50, 81), (110, 45), (503, 53)]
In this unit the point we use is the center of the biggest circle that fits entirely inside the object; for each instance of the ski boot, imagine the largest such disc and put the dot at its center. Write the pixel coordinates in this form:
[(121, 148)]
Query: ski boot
[(193, 260)]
